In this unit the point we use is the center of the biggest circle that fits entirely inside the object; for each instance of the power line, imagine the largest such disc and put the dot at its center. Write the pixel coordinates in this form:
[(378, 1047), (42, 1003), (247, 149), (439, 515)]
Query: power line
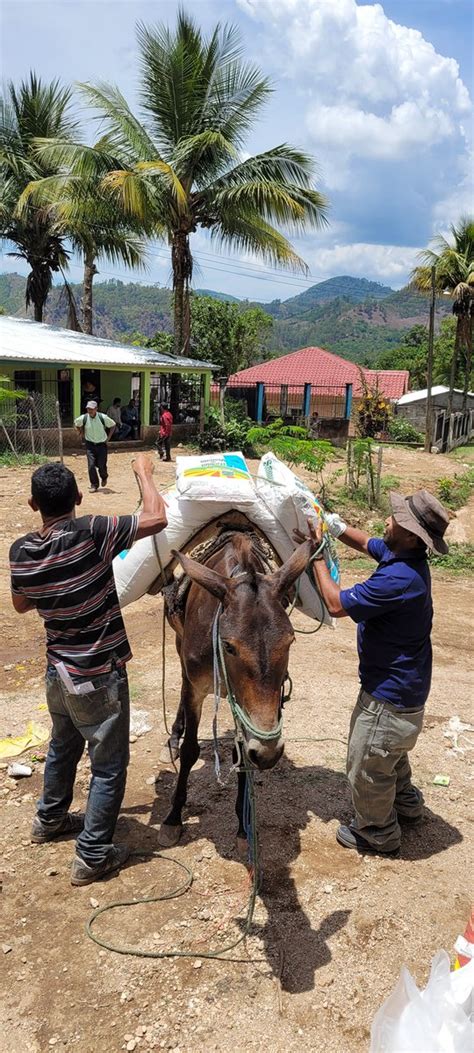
[(247, 270)]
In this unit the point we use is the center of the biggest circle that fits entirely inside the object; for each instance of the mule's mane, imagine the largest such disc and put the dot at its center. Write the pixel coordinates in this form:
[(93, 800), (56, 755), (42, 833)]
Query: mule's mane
[(248, 556)]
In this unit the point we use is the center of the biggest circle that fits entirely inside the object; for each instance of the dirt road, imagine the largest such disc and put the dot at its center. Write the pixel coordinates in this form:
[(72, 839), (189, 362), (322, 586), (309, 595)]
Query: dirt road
[(332, 929)]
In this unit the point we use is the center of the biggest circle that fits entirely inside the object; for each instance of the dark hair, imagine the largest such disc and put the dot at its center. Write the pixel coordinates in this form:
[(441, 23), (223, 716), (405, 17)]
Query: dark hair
[(116, 401), (54, 488), (164, 406)]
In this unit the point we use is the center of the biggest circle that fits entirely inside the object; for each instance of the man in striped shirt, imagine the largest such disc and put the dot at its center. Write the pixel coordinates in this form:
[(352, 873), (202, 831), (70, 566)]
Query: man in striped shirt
[(64, 571)]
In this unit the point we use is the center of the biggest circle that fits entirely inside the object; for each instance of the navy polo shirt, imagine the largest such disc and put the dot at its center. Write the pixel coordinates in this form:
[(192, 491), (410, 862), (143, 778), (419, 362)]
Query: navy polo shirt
[(394, 615)]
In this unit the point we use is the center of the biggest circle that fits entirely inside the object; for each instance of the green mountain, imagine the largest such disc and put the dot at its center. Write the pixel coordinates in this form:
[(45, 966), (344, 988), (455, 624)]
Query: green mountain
[(356, 318)]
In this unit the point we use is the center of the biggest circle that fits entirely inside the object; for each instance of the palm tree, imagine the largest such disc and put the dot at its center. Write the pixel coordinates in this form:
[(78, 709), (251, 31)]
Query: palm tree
[(177, 165), (94, 225), (34, 109), (454, 274)]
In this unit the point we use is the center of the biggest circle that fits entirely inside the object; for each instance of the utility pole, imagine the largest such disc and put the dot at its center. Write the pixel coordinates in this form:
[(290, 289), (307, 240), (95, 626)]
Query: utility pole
[(429, 369)]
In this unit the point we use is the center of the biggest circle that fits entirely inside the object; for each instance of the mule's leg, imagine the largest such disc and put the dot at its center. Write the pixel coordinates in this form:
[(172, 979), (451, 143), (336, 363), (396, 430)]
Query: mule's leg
[(191, 701), (171, 750), (241, 843)]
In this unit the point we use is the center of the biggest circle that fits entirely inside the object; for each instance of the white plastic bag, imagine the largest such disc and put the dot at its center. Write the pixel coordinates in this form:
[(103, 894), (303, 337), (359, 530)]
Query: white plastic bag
[(215, 477), (436, 1020)]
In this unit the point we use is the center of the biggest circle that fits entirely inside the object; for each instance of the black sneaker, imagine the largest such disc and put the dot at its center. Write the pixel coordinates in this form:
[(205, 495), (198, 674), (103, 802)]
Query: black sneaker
[(72, 823), (103, 482), (83, 874), (349, 838)]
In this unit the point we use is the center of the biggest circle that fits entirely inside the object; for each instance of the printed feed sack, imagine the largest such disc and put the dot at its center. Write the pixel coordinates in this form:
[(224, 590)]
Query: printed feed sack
[(215, 477), (136, 569)]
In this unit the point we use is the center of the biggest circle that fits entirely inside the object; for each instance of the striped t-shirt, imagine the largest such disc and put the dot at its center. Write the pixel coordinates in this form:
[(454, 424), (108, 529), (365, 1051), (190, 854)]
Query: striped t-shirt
[(68, 575)]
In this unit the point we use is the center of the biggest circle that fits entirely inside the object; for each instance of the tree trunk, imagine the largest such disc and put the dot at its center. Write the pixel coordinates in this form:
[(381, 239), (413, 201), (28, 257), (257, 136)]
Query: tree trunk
[(182, 264), (467, 378), (90, 270), (454, 363), (38, 309)]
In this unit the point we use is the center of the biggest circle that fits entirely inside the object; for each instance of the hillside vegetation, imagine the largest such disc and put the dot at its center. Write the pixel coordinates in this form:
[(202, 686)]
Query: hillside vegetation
[(354, 317)]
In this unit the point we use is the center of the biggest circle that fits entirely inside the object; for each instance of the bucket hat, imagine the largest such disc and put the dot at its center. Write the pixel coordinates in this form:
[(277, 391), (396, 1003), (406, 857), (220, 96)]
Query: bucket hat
[(424, 516)]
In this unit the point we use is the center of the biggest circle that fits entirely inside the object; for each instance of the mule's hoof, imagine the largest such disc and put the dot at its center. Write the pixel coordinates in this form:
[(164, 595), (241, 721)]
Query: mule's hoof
[(168, 835), (169, 754), (242, 847)]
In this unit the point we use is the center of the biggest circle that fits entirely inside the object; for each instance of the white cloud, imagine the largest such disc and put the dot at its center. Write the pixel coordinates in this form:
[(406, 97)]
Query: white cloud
[(373, 88), (389, 264)]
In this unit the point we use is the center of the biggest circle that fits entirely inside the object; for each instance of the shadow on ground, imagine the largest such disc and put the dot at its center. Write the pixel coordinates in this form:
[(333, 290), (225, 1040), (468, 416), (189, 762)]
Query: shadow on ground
[(287, 799)]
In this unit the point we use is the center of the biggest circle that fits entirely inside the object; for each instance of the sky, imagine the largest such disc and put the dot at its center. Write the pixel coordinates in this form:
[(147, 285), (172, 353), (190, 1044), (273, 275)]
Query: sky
[(379, 94)]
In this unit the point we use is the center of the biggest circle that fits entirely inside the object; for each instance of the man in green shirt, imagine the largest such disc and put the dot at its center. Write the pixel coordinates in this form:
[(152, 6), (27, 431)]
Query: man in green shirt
[(97, 429)]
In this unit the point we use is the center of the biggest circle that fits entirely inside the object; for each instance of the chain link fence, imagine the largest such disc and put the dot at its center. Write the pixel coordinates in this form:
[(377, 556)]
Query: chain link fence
[(30, 428)]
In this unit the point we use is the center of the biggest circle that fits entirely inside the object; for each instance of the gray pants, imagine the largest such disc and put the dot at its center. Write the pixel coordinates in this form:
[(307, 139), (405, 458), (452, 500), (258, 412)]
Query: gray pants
[(378, 769)]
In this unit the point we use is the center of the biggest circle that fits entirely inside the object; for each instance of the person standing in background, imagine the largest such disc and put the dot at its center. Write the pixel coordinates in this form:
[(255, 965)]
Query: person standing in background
[(166, 430), (97, 429)]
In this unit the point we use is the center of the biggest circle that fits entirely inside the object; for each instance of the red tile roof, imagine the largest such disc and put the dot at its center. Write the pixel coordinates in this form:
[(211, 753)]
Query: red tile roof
[(314, 365)]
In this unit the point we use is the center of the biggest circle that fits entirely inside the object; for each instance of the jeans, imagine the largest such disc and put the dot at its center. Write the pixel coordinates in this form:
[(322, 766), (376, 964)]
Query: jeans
[(379, 771), (121, 432), (96, 460), (102, 719)]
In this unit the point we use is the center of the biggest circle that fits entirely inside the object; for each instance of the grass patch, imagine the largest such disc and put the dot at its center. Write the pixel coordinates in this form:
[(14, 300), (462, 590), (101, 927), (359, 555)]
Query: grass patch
[(459, 559), (463, 453), (24, 460)]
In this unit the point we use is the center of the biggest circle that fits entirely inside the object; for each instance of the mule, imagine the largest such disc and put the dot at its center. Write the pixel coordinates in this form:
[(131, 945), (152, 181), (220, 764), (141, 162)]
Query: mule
[(256, 635)]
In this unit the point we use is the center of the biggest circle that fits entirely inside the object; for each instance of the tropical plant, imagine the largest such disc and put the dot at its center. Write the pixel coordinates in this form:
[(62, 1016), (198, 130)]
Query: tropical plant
[(373, 409), (95, 225), (177, 165), (292, 443), (453, 262), (33, 109)]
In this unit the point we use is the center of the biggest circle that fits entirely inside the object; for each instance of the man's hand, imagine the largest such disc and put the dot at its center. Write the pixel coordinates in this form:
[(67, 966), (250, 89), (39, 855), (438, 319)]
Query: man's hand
[(335, 524), (142, 464), (314, 535)]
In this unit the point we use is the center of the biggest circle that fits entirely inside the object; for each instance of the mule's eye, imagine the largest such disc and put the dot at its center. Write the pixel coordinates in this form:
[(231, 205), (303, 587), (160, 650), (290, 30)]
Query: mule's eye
[(228, 647)]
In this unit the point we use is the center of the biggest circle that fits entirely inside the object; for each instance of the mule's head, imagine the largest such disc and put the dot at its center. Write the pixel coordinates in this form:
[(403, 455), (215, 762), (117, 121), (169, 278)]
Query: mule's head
[(256, 635)]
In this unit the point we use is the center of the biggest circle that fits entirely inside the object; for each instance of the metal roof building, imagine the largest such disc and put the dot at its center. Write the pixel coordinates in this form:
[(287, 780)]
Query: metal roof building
[(74, 367)]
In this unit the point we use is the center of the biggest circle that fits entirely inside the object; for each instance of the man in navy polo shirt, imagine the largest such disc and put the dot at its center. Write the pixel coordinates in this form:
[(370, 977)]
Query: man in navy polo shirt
[(393, 612)]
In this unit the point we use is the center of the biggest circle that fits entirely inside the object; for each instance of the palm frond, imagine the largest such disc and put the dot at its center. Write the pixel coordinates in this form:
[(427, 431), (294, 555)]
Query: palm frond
[(251, 234), (125, 133)]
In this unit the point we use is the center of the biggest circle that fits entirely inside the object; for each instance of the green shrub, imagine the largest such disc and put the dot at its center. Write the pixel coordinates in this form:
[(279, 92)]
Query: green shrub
[(232, 435), (460, 558), (401, 430), (456, 491)]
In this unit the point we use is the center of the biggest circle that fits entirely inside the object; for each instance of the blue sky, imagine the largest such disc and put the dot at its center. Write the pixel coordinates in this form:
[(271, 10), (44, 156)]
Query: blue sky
[(380, 94)]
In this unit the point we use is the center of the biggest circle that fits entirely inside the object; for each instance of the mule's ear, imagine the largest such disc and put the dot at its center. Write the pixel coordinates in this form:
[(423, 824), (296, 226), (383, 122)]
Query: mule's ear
[(283, 578), (207, 578)]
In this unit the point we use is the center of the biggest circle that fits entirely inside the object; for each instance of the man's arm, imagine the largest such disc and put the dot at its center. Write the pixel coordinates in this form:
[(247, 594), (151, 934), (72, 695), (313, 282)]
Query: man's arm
[(353, 538), (153, 517), (329, 590)]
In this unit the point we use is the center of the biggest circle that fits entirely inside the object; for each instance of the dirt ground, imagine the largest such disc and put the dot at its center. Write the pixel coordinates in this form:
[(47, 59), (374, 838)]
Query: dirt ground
[(332, 929)]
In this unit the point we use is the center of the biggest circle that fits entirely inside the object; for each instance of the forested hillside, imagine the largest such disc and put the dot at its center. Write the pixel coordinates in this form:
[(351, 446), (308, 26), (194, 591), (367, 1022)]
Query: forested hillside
[(354, 317)]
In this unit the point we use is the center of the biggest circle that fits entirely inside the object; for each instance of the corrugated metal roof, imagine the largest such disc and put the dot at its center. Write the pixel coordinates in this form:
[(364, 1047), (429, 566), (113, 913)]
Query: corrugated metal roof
[(315, 365), (24, 340), (418, 396)]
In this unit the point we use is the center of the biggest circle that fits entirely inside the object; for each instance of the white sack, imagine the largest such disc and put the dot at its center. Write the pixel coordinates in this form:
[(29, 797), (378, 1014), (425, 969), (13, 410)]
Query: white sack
[(136, 569), (275, 510), (215, 477), (291, 502), (438, 1019)]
